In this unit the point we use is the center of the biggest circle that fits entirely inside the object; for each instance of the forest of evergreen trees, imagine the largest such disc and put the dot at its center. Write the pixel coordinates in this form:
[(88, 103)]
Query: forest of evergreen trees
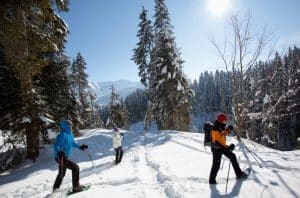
[(271, 111)]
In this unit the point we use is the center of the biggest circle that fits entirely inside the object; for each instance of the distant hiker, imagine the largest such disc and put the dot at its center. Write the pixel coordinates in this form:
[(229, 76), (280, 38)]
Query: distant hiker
[(62, 150), (218, 147), (117, 144)]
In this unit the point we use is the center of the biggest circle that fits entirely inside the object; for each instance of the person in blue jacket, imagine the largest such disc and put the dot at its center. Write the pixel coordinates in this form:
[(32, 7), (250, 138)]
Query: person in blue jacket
[(62, 150)]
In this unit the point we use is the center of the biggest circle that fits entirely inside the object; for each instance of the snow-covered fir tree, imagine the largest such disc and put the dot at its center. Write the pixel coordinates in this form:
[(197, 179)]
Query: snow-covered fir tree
[(95, 119), (80, 89), (118, 114), (136, 104), (169, 89), (293, 94), (54, 85), (143, 49)]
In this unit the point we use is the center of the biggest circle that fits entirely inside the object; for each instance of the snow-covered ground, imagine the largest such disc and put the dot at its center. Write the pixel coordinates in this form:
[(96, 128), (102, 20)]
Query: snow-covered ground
[(155, 165)]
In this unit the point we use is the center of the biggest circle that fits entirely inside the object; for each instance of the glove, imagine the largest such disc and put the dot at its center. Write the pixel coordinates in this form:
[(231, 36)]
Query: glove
[(122, 134), (230, 127), (60, 154), (83, 146), (231, 147)]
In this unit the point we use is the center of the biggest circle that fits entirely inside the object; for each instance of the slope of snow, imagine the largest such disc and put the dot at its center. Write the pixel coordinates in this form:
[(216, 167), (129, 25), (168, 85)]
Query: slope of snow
[(103, 89), (158, 164)]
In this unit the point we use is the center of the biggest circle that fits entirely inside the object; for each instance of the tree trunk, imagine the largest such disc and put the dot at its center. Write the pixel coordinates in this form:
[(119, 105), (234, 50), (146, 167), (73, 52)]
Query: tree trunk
[(32, 138)]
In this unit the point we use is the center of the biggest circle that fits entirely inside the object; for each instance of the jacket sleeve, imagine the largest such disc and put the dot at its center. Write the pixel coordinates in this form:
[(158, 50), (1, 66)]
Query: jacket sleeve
[(74, 144), (227, 131)]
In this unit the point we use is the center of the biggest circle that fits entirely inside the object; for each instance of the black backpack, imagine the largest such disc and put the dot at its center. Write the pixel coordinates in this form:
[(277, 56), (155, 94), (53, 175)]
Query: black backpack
[(207, 127)]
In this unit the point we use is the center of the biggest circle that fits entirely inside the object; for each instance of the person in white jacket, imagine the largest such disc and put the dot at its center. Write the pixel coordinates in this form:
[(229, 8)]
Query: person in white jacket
[(117, 144)]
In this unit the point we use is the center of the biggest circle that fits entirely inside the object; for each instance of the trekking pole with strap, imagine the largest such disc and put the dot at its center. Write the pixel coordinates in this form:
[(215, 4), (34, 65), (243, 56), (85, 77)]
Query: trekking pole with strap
[(227, 177), (90, 157), (254, 157)]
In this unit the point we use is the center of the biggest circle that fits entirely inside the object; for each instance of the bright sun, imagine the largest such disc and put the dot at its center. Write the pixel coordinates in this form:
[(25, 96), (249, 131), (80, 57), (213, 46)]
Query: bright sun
[(219, 7)]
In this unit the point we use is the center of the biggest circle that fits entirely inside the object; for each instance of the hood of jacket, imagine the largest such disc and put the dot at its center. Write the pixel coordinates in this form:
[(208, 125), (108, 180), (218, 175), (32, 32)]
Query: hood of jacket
[(65, 127)]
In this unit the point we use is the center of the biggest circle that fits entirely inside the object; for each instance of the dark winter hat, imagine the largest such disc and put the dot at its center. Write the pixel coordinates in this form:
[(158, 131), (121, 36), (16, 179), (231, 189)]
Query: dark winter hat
[(116, 129), (222, 117)]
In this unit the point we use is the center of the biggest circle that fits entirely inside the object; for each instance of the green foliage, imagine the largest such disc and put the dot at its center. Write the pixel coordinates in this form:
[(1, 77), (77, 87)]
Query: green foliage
[(136, 104), (30, 32), (118, 114)]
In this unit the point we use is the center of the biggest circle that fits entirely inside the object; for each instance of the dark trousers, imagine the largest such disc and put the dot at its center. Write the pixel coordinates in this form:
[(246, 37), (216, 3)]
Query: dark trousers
[(119, 154), (217, 155), (65, 163)]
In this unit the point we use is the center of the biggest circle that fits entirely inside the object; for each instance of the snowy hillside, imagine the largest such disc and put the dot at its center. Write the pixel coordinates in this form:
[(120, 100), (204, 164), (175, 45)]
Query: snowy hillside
[(123, 87), (156, 165)]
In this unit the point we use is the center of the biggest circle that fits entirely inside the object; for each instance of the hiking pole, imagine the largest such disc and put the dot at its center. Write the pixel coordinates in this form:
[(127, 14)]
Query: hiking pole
[(227, 177), (90, 158), (240, 140), (92, 161), (260, 166)]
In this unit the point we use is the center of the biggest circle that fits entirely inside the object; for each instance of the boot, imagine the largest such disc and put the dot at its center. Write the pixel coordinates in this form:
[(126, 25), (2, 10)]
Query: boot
[(78, 188), (212, 181), (243, 175)]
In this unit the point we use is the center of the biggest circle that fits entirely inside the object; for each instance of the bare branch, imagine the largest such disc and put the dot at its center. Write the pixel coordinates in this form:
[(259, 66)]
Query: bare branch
[(220, 52)]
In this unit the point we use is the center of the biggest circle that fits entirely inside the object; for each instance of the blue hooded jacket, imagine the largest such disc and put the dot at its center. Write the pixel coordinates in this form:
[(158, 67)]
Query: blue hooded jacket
[(64, 140)]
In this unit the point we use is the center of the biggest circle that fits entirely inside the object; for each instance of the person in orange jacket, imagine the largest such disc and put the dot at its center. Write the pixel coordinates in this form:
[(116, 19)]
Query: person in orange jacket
[(219, 147)]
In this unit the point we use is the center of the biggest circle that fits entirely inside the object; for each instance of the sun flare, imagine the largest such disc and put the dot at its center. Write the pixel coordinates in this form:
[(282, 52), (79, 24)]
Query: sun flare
[(219, 7)]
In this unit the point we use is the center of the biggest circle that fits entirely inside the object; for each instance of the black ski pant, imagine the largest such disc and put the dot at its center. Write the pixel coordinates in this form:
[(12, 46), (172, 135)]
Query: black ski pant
[(119, 154), (217, 155), (63, 164)]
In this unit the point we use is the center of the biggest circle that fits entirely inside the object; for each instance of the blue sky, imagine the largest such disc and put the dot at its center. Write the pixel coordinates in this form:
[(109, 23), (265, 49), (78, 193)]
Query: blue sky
[(104, 31)]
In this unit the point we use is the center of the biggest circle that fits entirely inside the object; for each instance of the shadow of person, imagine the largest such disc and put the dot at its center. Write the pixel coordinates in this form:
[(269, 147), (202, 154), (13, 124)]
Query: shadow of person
[(215, 193)]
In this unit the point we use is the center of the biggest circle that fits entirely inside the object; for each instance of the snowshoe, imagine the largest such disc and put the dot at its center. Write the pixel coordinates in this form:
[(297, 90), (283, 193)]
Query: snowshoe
[(78, 189), (244, 174)]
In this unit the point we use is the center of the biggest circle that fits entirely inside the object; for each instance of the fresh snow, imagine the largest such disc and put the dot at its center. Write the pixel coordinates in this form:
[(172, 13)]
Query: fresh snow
[(158, 164)]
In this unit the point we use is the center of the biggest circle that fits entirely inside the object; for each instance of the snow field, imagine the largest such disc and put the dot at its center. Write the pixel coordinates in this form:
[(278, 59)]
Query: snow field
[(158, 164)]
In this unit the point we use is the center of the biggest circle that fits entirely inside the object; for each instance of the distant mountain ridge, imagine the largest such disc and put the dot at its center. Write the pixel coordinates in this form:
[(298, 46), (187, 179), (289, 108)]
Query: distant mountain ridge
[(123, 87)]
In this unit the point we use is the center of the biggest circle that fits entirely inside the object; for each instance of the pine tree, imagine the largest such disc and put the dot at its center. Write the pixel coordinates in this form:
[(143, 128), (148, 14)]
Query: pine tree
[(55, 88), (80, 89), (279, 103), (10, 112), (169, 88), (30, 31), (136, 103), (293, 93), (143, 49), (95, 120), (118, 114)]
